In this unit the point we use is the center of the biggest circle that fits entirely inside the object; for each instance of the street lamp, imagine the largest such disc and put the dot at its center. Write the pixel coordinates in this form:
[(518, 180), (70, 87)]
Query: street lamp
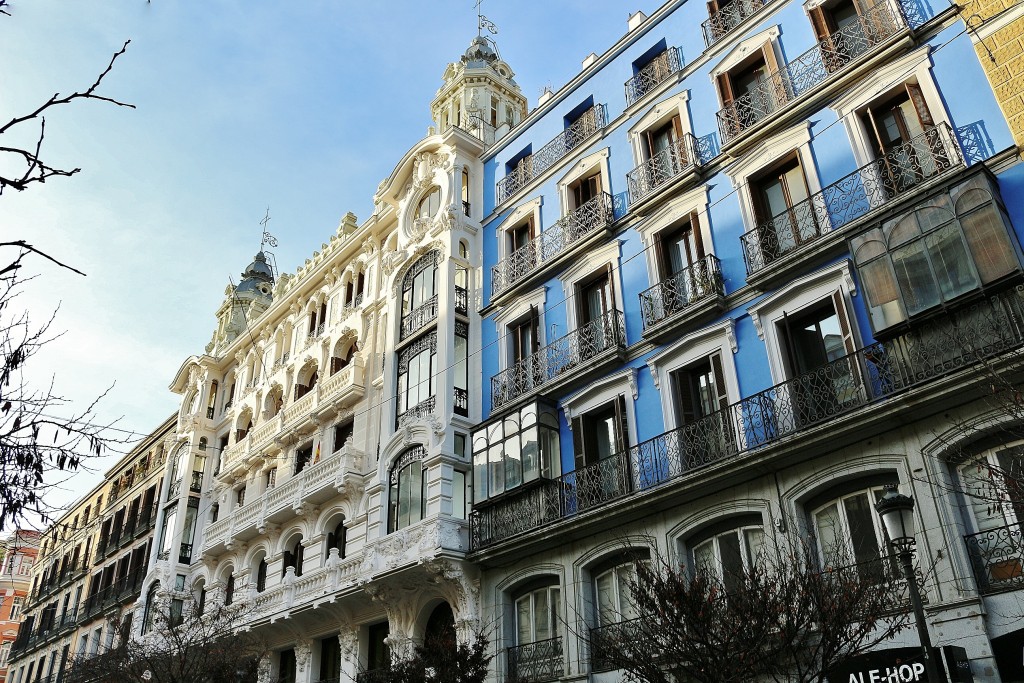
[(897, 513)]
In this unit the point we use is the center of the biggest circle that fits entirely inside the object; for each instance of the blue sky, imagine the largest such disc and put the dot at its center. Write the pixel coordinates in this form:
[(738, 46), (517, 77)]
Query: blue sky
[(302, 106)]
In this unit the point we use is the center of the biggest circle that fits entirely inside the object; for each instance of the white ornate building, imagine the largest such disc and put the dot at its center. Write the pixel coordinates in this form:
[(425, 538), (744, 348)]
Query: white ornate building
[(322, 469)]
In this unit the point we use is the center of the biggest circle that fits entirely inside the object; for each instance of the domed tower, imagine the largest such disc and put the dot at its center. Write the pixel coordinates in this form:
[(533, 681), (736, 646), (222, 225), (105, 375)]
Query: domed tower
[(244, 303), (479, 94)]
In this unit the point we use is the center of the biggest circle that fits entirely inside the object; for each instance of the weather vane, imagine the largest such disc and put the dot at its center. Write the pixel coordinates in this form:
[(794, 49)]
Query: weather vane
[(483, 22), (267, 237)]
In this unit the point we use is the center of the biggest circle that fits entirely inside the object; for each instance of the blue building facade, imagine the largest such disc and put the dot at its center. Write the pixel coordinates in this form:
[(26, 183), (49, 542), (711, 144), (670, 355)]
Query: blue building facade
[(754, 262)]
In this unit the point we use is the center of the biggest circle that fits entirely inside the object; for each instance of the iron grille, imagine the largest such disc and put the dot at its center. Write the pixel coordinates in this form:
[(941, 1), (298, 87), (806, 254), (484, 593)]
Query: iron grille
[(681, 291), (900, 170), (588, 123), (653, 73), (671, 162), (869, 375), (594, 214), (537, 661), (559, 358), (719, 24), (461, 300), (997, 556), (809, 70)]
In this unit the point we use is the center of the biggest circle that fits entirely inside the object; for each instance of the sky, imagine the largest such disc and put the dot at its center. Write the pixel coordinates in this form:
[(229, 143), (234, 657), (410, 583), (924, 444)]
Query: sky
[(300, 107)]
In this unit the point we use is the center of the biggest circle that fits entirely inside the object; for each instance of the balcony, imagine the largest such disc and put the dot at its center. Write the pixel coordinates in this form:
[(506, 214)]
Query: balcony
[(683, 294), (653, 74), (679, 159), (604, 637), (569, 358), (461, 300), (313, 485), (418, 318), (804, 74), (997, 556), (185, 553), (871, 375), (536, 662), (728, 17), (553, 244), (589, 122), (870, 187)]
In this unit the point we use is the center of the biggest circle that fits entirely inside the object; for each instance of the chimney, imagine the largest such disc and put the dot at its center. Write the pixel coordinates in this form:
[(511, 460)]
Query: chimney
[(635, 19), (588, 60)]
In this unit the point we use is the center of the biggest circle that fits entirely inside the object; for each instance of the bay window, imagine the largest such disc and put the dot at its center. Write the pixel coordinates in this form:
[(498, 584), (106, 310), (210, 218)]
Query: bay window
[(515, 449)]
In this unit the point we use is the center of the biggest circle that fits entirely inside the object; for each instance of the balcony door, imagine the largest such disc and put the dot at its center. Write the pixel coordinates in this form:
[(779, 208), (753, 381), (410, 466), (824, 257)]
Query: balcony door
[(584, 189), (524, 343), (665, 155), (595, 299), (903, 138), (752, 90), (600, 433), (701, 406), (781, 208), (679, 247)]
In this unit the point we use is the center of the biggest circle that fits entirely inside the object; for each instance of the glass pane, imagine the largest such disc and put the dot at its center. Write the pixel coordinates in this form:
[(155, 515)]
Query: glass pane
[(755, 545), (990, 244), (830, 536), (861, 517), (626, 575), (497, 484), (914, 275), (883, 300), (732, 561), (953, 266), (867, 246), (542, 617), (416, 495), (404, 498), (983, 494), (524, 623), (459, 495), (480, 476), (513, 463), (531, 462), (606, 603), (704, 557)]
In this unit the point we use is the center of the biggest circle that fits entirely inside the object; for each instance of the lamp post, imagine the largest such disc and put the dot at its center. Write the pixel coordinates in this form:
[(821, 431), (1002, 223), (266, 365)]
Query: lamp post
[(897, 513)]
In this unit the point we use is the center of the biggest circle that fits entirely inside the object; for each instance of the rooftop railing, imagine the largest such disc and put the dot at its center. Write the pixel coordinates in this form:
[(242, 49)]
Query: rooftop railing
[(588, 123), (560, 358), (870, 375), (899, 171), (594, 214)]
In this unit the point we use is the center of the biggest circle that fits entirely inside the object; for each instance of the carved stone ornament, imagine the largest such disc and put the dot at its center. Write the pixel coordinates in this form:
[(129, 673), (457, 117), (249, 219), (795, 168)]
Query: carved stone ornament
[(303, 650), (391, 260)]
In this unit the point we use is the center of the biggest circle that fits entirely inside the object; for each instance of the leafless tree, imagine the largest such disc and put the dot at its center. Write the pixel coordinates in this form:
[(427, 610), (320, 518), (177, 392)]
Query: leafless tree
[(783, 619), (39, 431), (182, 644), (440, 659)]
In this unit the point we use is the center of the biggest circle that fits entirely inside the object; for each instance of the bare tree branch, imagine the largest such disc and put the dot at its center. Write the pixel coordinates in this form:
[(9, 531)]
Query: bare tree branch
[(34, 168)]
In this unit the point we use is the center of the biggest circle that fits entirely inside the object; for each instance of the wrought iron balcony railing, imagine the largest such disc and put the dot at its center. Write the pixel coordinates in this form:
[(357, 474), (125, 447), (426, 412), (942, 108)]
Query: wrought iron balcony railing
[(419, 317), (997, 556), (374, 676), (902, 169), (809, 70), (869, 375), (535, 662), (196, 483), (673, 161), (588, 123), (420, 410), (461, 402), (682, 291), (728, 17), (595, 214), (185, 553), (603, 638), (655, 72), (461, 300), (559, 358)]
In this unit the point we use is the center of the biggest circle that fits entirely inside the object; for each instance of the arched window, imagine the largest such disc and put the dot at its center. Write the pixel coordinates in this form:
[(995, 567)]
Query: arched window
[(229, 590), (729, 553), (199, 596), (416, 375), (429, 205), (465, 191), (406, 496), (538, 639), (337, 539), (850, 533), (150, 608), (419, 291), (293, 556)]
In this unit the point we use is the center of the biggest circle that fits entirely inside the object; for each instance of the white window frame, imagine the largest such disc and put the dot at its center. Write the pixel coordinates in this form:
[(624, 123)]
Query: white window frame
[(696, 201), (742, 51), (513, 312), (518, 215), (581, 168), (796, 139), (795, 297), (554, 618), (844, 530), (885, 80), (719, 338), (749, 563), (601, 392), (659, 114), (588, 263)]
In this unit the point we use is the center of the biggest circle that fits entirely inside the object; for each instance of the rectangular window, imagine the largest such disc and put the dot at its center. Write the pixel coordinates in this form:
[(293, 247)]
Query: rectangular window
[(679, 246), (523, 336), (584, 189), (784, 216), (595, 298), (520, 235), (302, 457), (343, 431), (600, 433)]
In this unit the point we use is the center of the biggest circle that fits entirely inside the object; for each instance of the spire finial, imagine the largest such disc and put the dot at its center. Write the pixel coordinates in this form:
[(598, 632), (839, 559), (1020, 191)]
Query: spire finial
[(267, 237), (483, 22)]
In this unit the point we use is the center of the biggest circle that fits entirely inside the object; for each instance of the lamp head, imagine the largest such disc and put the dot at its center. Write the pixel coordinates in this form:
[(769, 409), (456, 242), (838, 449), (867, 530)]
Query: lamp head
[(897, 513)]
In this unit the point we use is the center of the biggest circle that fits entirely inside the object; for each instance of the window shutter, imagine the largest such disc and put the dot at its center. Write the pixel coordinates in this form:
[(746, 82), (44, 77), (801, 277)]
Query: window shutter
[(725, 89), (298, 558), (920, 106), (770, 61), (286, 563), (720, 392), (677, 133), (534, 330), (818, 22), (844, 321), (685, 411), (622, 424), (664, 267), (698, 238), (577, 443)]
